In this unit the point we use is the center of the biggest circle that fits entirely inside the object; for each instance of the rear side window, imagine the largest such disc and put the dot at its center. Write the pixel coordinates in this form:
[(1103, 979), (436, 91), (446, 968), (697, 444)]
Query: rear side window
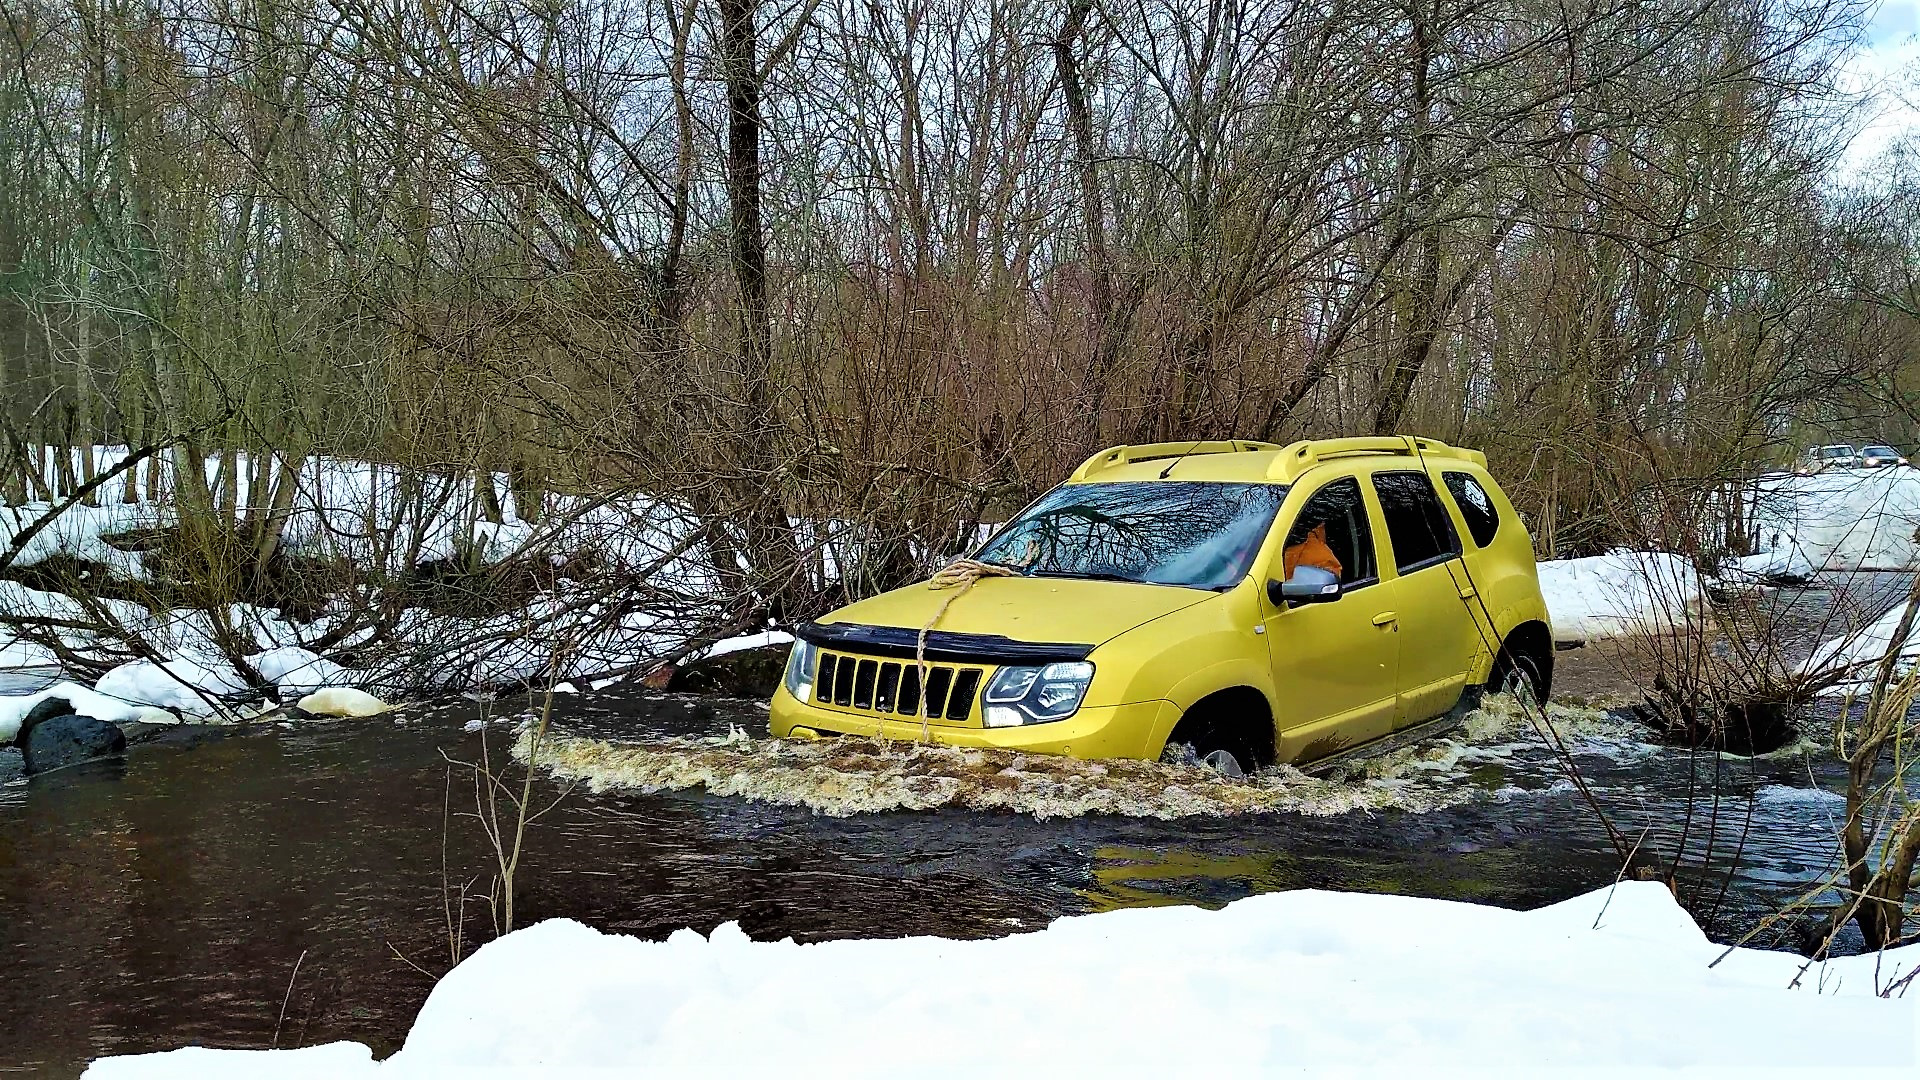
[(1476, 506), (1417, 524)]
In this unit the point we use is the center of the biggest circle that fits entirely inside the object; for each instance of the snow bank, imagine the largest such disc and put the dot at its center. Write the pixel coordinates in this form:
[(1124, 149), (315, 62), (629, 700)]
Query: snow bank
[(189, 684), (1856, 655), (373, 516), (1306, 983), (78, 532), (1617, 593), (1789, 563), (298, 672), (1842, 519), (84, 701)]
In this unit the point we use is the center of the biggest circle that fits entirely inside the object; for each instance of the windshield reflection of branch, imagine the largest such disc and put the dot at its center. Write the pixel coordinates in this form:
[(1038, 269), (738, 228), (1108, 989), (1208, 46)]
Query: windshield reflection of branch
[(1115, 530)]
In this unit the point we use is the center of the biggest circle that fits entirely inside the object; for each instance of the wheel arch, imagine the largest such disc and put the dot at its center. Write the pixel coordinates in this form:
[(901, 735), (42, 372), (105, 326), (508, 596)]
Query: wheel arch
[(1532, 639), (1242, 708)]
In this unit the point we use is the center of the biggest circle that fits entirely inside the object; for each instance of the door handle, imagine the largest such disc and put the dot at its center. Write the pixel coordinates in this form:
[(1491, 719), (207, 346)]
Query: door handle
[(1386, 618), (1467, 592)]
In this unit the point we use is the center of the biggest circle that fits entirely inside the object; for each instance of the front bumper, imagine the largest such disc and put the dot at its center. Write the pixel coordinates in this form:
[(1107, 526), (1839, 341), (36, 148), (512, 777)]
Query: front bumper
[(1112, 731)]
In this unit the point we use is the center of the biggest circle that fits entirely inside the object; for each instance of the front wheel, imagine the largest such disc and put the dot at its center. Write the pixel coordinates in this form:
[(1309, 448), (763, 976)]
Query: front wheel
[(1517, 675), (1220, 759)]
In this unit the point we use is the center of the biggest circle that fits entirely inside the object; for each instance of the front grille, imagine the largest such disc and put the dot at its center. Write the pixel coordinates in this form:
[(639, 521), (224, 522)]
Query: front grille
[(893, 687)]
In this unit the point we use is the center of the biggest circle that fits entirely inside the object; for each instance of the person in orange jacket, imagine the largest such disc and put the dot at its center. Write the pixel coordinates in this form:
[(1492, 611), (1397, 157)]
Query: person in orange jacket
[(1312, 550)]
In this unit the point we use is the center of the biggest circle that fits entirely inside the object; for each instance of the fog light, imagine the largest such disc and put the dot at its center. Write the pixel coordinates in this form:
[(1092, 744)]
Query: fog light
[(1002, 716)]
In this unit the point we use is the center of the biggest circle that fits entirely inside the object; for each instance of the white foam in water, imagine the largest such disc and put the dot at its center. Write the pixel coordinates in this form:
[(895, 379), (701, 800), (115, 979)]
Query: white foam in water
[(841, 777), (1781, 793)]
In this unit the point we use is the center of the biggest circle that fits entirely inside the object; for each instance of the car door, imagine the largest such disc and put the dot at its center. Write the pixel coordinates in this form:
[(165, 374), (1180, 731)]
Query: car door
[(1439, 636), (1334, 662)]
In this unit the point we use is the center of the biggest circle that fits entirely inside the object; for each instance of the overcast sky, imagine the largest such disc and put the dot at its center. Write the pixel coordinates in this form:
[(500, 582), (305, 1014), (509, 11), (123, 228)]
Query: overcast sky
[(1887, 68)]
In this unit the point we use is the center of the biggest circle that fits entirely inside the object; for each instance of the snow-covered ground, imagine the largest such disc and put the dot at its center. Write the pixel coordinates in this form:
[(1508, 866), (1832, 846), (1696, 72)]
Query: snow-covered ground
[(1308, 983), (1841, 519), (1618, 593)]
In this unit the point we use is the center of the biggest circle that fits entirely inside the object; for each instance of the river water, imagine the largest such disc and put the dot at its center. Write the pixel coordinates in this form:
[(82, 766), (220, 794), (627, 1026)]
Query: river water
[(296, 884)]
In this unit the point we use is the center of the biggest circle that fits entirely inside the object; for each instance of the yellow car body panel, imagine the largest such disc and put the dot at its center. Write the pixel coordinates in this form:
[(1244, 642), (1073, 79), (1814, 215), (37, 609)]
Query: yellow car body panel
[(1388, 652), (1027, 609)]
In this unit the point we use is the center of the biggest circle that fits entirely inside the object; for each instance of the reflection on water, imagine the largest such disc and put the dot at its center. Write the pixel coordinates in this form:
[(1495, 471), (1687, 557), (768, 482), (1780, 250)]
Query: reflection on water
[(27, 680), (169, 900)]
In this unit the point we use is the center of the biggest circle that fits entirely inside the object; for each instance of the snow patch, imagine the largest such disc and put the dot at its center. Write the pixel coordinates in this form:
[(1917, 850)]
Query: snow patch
[(1305, 983), (1841, 519), (1789, 563), (1618, 593), (298, 672), (745, 642), (1856, 655), (187, 683), (14, 709)]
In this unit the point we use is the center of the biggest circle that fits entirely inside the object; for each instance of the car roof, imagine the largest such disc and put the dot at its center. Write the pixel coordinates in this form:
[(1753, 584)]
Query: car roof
[(1242, 461)]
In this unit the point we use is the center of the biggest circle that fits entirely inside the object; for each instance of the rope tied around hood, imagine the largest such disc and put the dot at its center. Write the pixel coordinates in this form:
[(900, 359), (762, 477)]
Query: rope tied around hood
[(958, 576)]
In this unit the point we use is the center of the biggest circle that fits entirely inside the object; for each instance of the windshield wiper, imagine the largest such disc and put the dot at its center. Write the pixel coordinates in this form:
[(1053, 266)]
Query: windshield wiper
[(1087, 575)]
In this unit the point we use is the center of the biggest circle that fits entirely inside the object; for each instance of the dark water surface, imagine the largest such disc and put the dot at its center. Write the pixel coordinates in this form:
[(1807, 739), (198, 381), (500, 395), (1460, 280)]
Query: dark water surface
[(168, 899)]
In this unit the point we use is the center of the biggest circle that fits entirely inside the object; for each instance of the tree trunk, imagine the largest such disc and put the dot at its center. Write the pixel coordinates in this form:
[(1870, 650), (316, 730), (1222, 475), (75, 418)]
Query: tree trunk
[(770, 541), (1105, 322)]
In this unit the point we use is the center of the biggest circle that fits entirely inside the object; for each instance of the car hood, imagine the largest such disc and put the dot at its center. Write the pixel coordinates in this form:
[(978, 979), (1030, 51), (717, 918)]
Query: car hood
[(1026, 608)]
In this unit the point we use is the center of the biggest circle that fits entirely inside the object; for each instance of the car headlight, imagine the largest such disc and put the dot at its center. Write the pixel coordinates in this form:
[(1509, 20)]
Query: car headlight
[(800, 666), (1036, 695)]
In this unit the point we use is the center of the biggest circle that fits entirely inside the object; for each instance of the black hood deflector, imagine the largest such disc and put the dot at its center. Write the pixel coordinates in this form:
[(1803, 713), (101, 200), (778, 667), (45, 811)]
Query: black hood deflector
[(942, 645)]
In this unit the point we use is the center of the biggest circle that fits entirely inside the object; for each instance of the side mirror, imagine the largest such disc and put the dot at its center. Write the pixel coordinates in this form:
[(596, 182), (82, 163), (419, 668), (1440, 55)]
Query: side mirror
[(1309, 585)]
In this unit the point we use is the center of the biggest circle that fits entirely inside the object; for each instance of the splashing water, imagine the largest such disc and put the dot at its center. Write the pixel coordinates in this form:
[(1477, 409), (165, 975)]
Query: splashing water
[(847, 776), (1497, 731)]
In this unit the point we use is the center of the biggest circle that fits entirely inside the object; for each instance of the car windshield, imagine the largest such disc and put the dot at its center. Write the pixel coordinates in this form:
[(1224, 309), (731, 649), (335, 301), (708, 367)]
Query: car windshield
[(1878, 451), (1188, 533), (1836, 451)]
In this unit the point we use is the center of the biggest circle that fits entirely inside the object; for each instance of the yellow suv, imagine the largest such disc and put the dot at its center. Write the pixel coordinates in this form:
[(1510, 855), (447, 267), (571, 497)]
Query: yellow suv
[(1239, 603)]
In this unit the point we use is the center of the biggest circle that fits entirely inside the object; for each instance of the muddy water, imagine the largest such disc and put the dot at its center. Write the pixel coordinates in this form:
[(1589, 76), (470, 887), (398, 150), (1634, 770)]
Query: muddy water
[(291, 884)]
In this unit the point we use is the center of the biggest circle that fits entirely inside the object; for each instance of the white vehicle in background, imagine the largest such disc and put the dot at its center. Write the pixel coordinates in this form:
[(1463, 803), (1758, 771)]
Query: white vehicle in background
[(1880, 457), (1822, 458)]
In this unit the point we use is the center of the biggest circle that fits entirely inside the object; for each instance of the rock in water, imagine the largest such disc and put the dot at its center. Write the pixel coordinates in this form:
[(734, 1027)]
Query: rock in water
[(341, 701), (68, 739), (46, 709)]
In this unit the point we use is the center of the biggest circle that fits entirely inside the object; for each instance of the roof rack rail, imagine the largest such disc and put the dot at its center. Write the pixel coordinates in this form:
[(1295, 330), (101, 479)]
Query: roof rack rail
[(1298, 457), (1115, 456)]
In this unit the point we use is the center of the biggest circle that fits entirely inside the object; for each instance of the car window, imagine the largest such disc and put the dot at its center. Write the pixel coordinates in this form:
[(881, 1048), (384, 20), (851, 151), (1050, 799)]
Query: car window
[(1333, 524), (1476, 506), (1878, 451), (1194, 534), (1417, 525)]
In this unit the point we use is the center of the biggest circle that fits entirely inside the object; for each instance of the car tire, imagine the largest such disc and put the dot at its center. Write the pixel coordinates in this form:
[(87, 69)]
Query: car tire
[(1223, 761), (1516, 674)]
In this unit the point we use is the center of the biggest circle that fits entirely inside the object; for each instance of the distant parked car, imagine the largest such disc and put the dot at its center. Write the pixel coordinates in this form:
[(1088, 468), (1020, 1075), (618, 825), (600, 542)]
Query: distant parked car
[(1822, 458), (1878, 457)]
